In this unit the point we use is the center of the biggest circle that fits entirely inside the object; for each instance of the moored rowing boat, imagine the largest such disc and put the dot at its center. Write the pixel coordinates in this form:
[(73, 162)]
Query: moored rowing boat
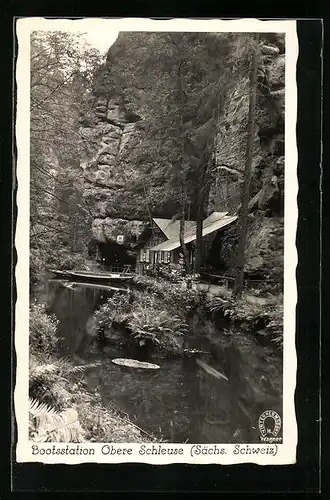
[(87, 275)]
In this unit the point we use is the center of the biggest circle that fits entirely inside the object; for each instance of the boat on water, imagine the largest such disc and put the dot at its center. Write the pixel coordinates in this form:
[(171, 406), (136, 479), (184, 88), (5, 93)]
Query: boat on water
[(134, 363), (76, 285), (60, 274), (91, 276)]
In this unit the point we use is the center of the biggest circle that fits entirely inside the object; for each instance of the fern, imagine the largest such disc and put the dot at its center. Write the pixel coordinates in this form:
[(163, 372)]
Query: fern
[(59, 369), (81, 368), (46, 424), (36, 408)]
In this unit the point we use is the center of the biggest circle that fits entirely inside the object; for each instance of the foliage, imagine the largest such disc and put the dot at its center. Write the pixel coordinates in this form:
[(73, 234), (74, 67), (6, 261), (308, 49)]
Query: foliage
[(49, 373), (265, 316), (62, 69), (150, 321), (275, 326), (50, 381), (171, 271), (180, 293), (37, 264), (237, 310), (46, 424), (107, 424), (117, 308), (63, 409), (156, 314), (43, 338), (73, 261)]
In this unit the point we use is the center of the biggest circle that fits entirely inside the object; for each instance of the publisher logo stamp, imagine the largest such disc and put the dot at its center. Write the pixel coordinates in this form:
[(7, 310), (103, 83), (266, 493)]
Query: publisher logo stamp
[(270, 425)]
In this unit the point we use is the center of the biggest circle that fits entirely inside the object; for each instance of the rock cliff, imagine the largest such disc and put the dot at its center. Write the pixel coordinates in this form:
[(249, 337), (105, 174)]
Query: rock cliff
[(264, 253), (114, 186)]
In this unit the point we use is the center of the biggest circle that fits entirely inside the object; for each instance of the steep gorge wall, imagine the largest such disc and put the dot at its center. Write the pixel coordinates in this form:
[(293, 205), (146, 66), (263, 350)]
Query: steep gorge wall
[(265, 246), (114, 183), (111, 130), (108, 131)]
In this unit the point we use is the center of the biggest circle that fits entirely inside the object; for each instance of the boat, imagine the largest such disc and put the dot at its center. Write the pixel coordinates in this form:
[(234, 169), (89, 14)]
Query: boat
[(95, 277), (134, 363), (87, 284), (62, 274)]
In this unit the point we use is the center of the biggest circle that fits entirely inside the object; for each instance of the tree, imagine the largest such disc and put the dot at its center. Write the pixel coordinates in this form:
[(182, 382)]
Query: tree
[(244, 211), (62, 70), (205, 172)]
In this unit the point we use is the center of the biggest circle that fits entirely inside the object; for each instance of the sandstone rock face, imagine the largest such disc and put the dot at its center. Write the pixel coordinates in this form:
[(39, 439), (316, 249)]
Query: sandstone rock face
[(264, 254), (108, 230), (107, 132), (269, 136), (111, 131), (265, 243)]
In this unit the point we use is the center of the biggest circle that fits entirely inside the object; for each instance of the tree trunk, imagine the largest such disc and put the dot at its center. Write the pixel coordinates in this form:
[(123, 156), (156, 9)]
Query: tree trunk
[(182, 174), (181, 235), (202, 192), (244, 213), (199, 232)]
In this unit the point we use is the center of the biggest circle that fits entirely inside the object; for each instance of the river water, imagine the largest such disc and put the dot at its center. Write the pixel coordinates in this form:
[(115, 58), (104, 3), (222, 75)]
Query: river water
[(180, 402)]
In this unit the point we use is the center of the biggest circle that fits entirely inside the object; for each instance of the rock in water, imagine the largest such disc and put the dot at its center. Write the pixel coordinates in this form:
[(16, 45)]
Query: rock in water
[(134, 363)]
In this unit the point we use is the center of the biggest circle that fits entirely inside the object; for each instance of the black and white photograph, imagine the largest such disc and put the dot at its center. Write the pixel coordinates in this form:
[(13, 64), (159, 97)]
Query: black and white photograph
[(157, 199)]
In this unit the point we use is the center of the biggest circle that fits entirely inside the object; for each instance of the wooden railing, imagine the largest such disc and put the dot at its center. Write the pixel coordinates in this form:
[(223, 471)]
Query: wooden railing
[(121, 268), (229, 281)]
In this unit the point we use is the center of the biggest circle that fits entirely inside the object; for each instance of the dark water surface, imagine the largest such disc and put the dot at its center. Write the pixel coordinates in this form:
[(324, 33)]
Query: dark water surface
[(180, 402)]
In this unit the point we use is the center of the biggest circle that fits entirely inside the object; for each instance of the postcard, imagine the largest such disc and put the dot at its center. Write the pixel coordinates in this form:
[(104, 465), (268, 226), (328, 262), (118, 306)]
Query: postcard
[(156, 225)]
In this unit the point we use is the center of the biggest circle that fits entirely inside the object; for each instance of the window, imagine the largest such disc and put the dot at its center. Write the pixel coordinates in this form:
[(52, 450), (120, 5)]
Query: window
[(144, 255), (167, 257)]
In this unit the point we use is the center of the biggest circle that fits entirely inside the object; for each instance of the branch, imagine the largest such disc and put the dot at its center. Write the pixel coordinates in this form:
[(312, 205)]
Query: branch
[(60, 199), (56, 229), (60, 85), (229, 169)]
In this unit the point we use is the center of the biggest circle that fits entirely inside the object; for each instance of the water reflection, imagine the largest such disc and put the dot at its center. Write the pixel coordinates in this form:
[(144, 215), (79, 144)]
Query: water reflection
[(180, 402)]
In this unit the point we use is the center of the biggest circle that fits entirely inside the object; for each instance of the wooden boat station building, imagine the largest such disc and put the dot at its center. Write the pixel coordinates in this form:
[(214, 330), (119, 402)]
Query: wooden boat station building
[(160, 242)]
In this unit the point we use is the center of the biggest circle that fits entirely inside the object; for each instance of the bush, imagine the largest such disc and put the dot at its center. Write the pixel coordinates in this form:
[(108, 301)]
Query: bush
[(117, 308), (37, 265), (147, 317), (181, 294), (72, 261), (48, 425), (275, 326), (268, 316), (164, 328), (43, 327), (169, 271)]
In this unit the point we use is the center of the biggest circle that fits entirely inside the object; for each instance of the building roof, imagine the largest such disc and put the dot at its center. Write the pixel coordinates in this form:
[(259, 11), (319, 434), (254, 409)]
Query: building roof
[(171, 228), (215, 216), (216, 221)]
